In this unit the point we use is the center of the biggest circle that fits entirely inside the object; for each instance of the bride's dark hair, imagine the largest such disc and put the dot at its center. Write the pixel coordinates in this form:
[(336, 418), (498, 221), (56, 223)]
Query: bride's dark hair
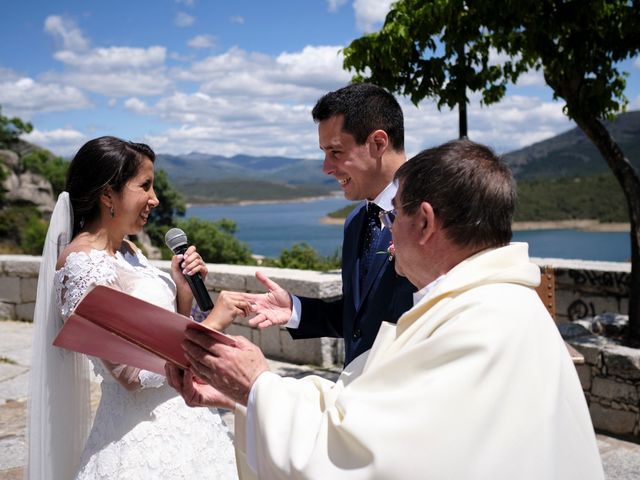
[(101, 162)]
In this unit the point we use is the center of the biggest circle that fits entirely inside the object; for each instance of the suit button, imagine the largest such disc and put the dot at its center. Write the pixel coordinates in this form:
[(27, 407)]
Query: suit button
[(356, 334)]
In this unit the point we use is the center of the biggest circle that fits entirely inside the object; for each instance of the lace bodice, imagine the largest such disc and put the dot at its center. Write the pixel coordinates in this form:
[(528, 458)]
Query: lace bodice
[(131, 273), (149, 432)]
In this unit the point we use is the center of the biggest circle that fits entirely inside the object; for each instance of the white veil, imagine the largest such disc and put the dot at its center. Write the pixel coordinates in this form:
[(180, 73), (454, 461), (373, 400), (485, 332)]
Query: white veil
[(59, 400)]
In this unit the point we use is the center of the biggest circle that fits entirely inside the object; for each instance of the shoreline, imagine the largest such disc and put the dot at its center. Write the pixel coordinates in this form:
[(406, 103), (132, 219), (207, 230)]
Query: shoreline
[(265, 202), (586, 225), (583, 225)]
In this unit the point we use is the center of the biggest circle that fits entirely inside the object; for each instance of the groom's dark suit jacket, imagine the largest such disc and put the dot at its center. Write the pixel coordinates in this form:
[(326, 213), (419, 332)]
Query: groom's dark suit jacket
[(358, 314)]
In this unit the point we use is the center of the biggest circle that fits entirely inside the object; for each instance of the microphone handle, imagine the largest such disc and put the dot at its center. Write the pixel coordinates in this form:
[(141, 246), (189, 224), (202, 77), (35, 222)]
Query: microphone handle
[(199, 292), (197, 286)]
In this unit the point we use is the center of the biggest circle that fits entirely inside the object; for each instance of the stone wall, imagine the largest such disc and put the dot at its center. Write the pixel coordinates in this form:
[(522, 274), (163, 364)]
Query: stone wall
[(583, 289), (18, 283), (589, 288), (610, 378)]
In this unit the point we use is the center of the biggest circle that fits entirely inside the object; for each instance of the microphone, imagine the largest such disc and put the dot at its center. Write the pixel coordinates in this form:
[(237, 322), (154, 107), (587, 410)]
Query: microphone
[(176, 240)]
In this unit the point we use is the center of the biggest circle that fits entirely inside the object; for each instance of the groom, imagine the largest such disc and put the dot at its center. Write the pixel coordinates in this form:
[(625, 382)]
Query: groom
[(473, 382), (361, 132)]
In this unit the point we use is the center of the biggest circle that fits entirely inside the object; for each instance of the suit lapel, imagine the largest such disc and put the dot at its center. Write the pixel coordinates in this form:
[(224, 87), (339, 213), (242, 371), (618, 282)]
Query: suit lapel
[(379, 261), (351, 256)]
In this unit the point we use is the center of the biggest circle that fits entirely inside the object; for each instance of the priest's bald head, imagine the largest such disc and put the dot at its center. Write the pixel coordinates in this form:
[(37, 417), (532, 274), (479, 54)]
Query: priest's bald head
[(452, 202)]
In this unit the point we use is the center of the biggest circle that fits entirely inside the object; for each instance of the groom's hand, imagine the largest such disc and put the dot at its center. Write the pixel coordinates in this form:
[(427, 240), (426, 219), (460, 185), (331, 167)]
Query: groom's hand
[(271, 308), (230, 370), (195, 393)]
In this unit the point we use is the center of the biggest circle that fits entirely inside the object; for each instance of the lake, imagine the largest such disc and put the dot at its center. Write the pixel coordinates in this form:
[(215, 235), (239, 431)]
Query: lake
[(268, 228)]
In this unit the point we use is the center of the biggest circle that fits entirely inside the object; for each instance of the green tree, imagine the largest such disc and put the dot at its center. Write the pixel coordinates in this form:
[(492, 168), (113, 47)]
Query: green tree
[(578, 46), (4, 173), (163, 217), (53, 168), (22, 229), (33, 236), (215, 241), (11, 129), (304, 257)]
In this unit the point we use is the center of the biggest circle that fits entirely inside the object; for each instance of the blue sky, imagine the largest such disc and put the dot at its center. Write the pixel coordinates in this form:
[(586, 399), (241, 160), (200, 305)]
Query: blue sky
[(221, 77)]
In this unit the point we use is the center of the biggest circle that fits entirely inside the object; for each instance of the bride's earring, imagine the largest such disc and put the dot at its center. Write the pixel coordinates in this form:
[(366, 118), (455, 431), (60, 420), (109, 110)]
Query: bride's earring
[(112, 212)]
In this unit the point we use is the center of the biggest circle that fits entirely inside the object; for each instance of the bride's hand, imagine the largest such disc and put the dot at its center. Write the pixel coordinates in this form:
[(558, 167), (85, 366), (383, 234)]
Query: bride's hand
[(188, 263), (228, 306)]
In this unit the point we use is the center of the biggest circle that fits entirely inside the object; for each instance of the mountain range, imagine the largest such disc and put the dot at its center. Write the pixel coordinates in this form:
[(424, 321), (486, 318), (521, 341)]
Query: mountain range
[(206, 177), (572, 154)]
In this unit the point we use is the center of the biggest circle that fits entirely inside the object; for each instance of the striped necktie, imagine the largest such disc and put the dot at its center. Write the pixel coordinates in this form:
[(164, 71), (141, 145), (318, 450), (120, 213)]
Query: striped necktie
[(370, 243)]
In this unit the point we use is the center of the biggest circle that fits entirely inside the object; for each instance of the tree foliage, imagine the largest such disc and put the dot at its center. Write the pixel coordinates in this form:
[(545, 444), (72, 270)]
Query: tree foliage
[(215, 241), (22, 229), (11, 129), (578, 46), (304, 257), (52, 168), (163, 217)]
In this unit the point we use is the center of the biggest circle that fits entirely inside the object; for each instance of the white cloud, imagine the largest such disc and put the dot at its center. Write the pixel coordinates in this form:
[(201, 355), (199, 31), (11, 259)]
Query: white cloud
[(184, 19), (634, 104), (237, 19), (202, 41), (6, 74), (66, 33), (111, 71), (334, 5), (136, 105), (115, 71), (515, 122), (188, 3), (296, 76), (265, 139), (370, 13), (249, 102), (62, 141), (532, 78), (636, 62), (117, 83), (114, 58), (528, 79), (26, 97)]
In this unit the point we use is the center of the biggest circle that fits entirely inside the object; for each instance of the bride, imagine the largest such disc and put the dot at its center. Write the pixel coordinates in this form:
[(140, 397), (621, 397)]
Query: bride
[(142, 428)]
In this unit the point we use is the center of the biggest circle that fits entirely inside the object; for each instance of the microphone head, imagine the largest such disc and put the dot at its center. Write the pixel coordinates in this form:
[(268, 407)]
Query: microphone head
[(175, 238)]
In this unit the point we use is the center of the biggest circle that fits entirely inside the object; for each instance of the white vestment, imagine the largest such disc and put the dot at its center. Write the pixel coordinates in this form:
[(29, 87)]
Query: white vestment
[(474, 382)]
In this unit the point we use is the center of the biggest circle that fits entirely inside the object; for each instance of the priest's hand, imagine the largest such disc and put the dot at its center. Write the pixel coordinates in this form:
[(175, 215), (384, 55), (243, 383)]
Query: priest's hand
[(230, 370), (194, 392)]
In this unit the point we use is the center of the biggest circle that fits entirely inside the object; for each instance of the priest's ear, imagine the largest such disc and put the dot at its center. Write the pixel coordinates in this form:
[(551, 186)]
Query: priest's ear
[(426, 221)]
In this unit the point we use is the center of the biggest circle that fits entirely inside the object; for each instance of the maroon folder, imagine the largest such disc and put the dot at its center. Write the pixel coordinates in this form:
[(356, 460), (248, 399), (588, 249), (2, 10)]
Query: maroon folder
[(117, 327)]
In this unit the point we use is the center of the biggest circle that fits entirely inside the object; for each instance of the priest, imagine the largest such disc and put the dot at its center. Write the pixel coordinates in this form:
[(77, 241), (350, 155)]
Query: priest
[(474, 382)]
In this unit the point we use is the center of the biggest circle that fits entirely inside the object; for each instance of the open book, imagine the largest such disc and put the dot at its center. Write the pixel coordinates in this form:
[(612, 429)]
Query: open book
[(117, 327)]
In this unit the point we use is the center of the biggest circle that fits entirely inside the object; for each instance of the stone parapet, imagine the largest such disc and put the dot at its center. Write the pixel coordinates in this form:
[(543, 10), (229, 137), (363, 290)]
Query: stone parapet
[(18, 285), (589, 288), (610, 379)]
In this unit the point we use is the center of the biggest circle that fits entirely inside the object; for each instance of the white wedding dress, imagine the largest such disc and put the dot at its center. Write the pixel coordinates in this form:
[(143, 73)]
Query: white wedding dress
[(147, 432)]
